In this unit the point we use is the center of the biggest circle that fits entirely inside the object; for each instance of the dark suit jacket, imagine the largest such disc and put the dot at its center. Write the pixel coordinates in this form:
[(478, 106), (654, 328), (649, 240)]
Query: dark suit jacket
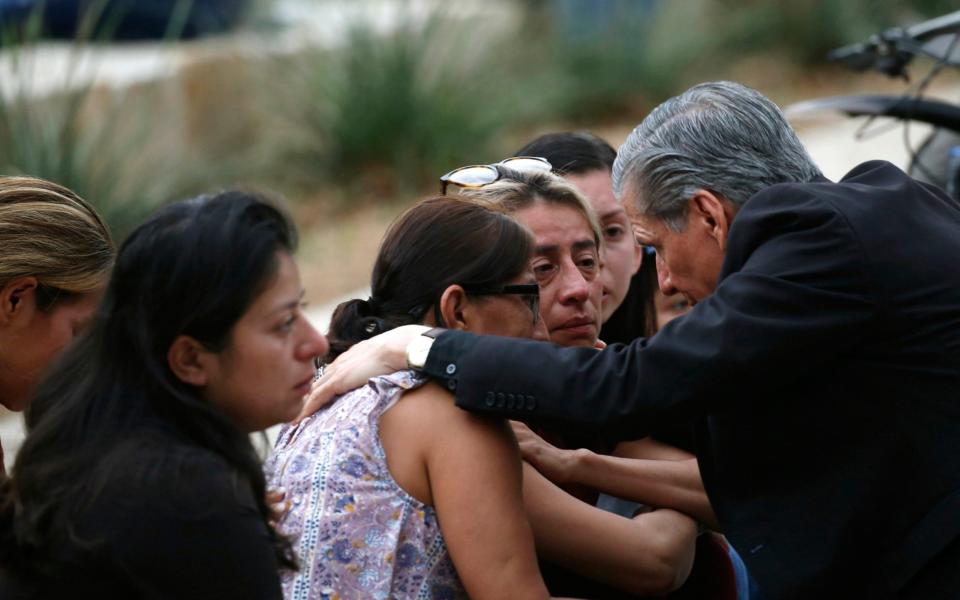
[(824, 374)]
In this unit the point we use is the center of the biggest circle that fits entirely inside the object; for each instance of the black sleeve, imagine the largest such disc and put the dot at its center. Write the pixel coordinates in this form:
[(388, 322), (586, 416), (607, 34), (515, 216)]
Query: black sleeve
[(191, 529), (794, 294)]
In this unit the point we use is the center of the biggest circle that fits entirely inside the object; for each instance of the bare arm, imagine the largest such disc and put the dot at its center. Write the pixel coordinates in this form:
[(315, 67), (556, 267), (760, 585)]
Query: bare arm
[(649, 554), (671, 483), (651, 449), (473, 469)]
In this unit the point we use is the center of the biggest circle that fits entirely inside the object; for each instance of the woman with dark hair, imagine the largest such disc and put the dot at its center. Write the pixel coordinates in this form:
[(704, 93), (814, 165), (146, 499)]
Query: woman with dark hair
[(137, 478), (416, 498)]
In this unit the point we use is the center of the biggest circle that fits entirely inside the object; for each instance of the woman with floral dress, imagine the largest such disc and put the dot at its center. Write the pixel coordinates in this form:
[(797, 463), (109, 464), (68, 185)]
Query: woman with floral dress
[(394, 492)]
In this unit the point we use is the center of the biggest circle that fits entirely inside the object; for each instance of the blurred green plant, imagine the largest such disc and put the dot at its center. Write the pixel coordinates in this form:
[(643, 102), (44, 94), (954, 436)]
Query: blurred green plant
[(399, 100), (613, 57), (391, 110), (117, 149)]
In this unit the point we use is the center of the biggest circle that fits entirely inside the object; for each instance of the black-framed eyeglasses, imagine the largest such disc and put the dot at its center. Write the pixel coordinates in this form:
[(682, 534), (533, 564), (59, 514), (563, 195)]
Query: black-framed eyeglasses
[(528, 292), (477, 176)]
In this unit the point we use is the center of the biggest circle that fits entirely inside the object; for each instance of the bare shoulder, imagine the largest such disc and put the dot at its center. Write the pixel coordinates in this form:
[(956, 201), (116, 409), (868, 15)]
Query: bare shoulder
[(424, 431), (430, 409), (430, 395)]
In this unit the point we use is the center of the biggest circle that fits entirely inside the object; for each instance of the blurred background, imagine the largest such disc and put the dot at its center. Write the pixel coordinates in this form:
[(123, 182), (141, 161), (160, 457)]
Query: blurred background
[(351, 109)]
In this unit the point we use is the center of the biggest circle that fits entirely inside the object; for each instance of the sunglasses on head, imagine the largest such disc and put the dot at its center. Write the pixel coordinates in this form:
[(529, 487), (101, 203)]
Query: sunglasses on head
[(477, 176)]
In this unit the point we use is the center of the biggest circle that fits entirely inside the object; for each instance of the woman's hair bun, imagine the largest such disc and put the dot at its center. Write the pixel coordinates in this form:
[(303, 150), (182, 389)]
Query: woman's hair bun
[(354, 321)]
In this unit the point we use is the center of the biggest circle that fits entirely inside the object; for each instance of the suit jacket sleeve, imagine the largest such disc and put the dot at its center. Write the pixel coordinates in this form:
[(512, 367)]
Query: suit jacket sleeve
[(794, 294)]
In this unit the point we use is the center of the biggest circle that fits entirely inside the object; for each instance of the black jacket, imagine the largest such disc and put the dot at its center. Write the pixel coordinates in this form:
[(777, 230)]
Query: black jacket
[(824, 376), (173, 520)]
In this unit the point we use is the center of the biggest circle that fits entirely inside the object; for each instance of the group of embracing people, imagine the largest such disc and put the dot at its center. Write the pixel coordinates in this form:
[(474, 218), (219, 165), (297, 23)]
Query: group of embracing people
[(690, 368)]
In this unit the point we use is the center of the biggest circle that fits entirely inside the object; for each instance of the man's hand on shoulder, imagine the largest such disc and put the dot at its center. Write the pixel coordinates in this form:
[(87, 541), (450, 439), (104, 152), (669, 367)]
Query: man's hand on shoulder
[(380, 355)]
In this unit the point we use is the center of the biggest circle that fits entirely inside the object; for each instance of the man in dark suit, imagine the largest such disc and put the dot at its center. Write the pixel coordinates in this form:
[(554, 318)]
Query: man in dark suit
[(821, 361)]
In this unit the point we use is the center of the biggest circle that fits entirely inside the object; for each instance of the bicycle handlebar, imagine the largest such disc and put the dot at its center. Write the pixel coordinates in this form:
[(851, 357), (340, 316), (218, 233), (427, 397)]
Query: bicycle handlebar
[(892, 50), (934, 112)]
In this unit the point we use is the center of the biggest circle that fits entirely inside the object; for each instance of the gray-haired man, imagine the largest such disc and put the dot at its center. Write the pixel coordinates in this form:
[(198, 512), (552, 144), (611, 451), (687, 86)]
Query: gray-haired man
[(821, 361)]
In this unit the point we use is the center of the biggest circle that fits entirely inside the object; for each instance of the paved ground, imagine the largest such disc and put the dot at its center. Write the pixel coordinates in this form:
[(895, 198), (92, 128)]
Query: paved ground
[(293, 26)]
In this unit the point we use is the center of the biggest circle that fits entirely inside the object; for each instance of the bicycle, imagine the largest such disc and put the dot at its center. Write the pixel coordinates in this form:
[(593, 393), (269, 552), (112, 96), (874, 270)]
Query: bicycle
[(937, 159)]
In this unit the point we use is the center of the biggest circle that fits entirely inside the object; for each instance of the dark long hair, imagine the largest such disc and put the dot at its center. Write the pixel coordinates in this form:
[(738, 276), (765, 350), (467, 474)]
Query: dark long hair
[(193, 269), (572, 152), (437, 243)]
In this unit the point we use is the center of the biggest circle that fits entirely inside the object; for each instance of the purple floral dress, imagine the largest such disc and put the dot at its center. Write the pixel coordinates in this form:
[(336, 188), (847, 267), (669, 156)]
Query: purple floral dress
[(356, 532)]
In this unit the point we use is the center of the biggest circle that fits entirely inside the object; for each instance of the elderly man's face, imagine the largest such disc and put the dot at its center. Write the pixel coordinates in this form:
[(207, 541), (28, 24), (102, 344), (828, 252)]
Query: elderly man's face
[(689, 262)]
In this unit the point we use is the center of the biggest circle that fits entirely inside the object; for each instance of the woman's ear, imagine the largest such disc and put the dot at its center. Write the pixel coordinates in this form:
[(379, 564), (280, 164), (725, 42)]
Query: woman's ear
[(18, 300), (186, 358), (453, 307)]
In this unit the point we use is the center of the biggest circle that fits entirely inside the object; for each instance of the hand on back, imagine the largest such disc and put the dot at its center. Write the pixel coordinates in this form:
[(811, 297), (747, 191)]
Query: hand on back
[(380, 355)]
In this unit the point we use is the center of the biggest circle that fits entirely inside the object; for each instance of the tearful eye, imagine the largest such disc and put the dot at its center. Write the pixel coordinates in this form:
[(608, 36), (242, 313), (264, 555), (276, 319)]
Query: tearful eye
[(543, 270), (588, 263)]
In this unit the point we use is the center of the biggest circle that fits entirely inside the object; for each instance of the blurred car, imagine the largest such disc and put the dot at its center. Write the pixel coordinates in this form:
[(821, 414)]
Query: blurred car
[(126, 19)]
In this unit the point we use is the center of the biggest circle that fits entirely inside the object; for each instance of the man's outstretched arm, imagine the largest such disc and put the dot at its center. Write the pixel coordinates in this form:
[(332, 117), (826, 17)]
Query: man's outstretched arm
[(794, 295)]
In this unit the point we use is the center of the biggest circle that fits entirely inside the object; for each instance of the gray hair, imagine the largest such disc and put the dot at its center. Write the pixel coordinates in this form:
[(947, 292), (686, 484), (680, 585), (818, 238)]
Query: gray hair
[(721, 136)]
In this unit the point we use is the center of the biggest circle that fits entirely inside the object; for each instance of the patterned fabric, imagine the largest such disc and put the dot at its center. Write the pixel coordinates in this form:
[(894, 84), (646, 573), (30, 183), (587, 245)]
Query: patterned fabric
[(356, 532)]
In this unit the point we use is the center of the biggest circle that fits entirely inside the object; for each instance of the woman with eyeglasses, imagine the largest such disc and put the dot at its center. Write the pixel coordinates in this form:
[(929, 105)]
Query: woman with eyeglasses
[(137, 478), (56, 257), (394, 492)]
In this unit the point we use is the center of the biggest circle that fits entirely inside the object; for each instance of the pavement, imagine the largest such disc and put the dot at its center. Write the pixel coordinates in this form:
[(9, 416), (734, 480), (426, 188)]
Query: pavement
[(292, 25), (839, 145)]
